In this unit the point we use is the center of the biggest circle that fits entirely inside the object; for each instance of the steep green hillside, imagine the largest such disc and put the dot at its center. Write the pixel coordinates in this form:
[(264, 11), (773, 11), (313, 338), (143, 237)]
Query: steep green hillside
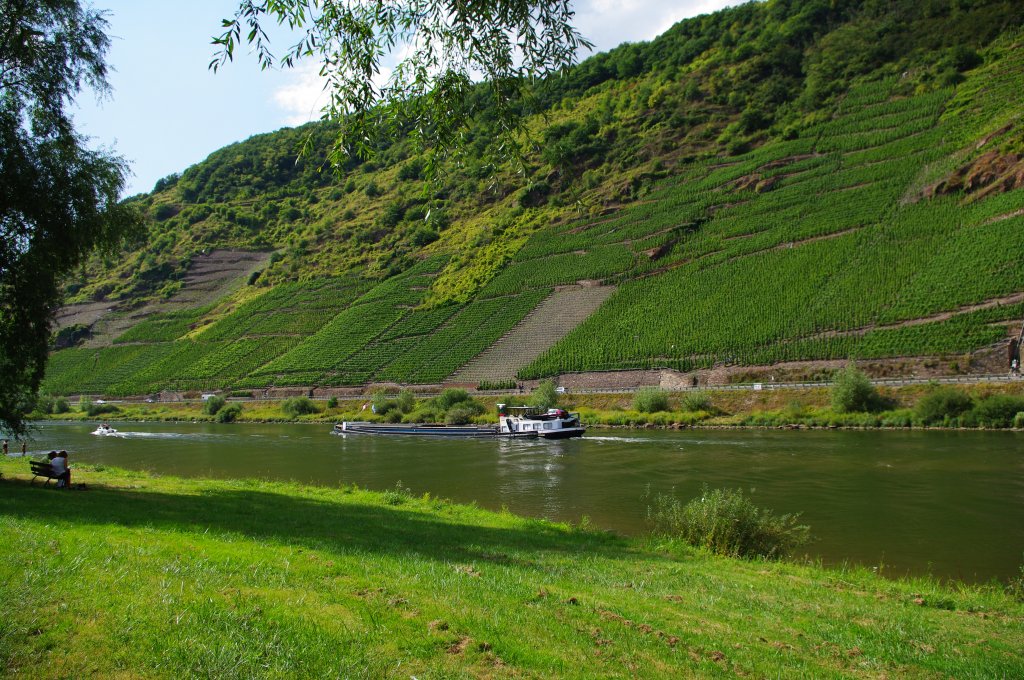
[(773, 182)]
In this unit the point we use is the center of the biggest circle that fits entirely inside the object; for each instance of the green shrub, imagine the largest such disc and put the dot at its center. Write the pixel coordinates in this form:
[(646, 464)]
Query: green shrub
[(1016, 586), (650, 400), (853, 392), (997, 410), (44, 404), (229, 414), (727, 523), (61, 405), (1018, 420), (397, 496), (461, 414), (383, 404), (941, 405), (901, 418), (545, 395), (164, 211), (696, 401), (406, 401), (298, 406), (332, 402), (423, 236), (212, 405), (93, 410), (450, 397), (423, 413)]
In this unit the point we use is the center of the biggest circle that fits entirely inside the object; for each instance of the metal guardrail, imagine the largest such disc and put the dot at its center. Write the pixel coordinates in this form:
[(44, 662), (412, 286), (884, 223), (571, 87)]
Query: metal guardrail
[(766, 386), (769, 386)]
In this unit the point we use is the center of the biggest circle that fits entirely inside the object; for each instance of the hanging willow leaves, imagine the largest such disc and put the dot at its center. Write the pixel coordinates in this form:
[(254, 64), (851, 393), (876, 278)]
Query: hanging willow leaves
[(456, 61)]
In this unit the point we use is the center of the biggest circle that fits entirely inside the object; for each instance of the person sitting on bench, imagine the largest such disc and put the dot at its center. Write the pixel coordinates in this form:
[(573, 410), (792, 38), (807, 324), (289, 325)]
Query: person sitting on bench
[(61, 471)]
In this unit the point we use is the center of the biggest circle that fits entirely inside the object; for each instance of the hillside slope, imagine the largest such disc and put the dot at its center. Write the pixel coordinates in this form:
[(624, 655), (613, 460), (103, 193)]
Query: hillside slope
[(549, 322), (773, 182)]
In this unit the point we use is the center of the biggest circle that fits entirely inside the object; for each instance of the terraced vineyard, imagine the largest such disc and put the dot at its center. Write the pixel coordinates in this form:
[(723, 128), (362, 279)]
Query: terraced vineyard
[(799, 241), (548, 323), (888, 224), (331, 332)]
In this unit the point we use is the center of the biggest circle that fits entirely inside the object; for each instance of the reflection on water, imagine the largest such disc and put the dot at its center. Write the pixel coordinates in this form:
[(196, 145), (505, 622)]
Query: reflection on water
[(952, 500)]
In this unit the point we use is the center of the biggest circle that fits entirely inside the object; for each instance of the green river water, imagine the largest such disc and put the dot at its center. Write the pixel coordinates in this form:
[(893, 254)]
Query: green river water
[(946, 503)]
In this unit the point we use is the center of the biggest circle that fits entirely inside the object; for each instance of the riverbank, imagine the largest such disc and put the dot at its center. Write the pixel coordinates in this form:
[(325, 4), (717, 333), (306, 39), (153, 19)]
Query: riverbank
[(772, 408), (141, 575)]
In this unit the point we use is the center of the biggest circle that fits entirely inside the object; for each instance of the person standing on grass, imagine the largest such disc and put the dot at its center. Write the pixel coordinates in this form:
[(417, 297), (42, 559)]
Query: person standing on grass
[(5, 447)]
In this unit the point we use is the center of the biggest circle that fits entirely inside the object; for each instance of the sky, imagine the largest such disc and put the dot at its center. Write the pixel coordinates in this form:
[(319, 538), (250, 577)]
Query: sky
[(168, 111)]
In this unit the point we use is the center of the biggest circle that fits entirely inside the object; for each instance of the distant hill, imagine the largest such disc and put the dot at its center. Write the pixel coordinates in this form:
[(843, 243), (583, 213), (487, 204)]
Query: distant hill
[(771, 185)]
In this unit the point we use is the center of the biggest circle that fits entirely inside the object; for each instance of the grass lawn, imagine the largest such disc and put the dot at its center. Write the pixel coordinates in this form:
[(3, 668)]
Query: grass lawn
[(148, 576)]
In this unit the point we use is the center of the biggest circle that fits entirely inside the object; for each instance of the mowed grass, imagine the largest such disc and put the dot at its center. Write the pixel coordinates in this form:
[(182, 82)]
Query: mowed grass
[(147, 576)]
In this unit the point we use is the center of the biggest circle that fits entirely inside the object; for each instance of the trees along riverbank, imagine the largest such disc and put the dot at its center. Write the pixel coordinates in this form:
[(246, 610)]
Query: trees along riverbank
[(160, 576), (928, 405)]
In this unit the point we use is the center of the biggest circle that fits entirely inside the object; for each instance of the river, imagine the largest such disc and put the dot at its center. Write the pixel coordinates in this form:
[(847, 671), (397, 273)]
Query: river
[(909, 502)]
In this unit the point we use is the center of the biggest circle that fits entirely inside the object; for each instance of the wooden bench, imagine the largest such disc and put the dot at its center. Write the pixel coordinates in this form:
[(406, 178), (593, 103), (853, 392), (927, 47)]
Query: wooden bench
[(42, 469)]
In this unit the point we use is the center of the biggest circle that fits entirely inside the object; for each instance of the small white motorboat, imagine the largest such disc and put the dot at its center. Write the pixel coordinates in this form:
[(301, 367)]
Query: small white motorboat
[(104, 429)]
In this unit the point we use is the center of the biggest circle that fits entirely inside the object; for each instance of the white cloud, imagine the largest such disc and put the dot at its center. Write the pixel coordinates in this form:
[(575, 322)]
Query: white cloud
[(609, 23), (302, 98)]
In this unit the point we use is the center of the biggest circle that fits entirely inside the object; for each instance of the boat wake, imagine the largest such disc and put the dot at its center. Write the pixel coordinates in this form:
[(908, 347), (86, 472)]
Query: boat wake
[(627, 440), (182, 436)]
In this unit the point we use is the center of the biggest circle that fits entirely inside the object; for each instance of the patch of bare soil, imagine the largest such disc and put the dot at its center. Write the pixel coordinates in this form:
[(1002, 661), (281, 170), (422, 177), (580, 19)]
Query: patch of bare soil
[(1007, 216), (755, 182), (991, 173), (85, 314), (758, 183), (211, 277)]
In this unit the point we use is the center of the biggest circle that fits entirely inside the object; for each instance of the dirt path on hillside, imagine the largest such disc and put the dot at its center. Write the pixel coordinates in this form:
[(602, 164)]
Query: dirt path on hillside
[(211, 276), (1013, 299)]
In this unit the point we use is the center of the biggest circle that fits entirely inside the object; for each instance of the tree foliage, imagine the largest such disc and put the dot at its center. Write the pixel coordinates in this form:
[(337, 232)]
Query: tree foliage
[(853, 391), (58, 198), (429, 95)]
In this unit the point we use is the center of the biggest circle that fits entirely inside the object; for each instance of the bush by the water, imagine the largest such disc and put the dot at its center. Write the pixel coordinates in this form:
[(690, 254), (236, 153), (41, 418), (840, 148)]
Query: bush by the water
[(941, 405), (229, 414), (650, 400), (696, 401), (456, 404), (393, 408), (298, 406), (994, 411), (724, 521), (853, 392), (463, 414), (92, 409), (450, 397), (212, 405), (406, 401)]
